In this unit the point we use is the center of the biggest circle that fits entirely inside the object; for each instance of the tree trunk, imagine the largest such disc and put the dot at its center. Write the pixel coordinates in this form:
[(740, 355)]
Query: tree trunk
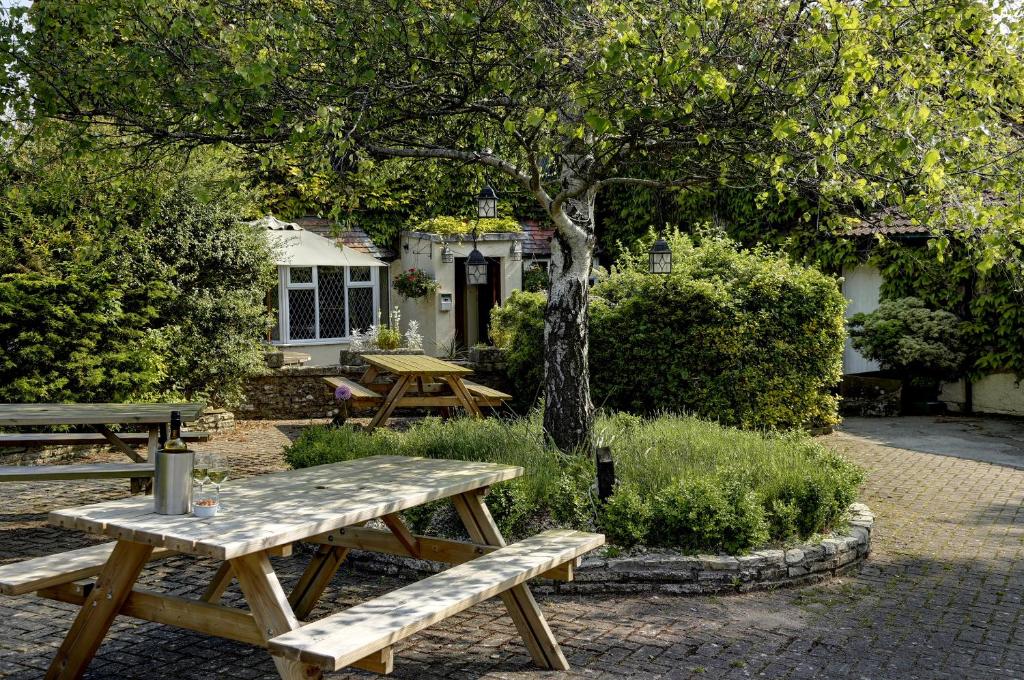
[(568, 411)]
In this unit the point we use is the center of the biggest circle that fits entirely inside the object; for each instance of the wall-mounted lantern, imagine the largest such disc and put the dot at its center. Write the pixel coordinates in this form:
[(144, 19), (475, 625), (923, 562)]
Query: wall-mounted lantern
[(516, 251), (447, 256)]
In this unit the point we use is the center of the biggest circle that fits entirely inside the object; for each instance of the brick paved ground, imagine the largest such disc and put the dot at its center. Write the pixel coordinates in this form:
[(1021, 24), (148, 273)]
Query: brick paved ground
[(940, 597)]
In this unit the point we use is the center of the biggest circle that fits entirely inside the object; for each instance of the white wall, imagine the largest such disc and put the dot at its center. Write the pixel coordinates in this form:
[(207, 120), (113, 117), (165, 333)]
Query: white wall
[(997, 393), (861, 287), (437, 327)]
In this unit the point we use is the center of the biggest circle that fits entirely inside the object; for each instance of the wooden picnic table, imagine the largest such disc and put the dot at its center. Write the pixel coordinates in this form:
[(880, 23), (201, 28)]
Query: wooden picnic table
[(420, 381), (100, 417), (328, 506)]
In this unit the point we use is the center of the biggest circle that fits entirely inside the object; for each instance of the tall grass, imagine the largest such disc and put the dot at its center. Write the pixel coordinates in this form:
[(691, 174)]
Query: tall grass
[(794, 485)]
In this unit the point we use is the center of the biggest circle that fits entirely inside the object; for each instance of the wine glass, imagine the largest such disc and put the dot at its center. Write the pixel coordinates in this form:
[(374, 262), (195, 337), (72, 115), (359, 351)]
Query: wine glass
[(217, 471), (200, 470)]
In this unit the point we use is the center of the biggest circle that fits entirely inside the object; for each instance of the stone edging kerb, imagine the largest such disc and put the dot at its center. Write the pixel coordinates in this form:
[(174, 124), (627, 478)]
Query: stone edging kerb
[(682, 574)]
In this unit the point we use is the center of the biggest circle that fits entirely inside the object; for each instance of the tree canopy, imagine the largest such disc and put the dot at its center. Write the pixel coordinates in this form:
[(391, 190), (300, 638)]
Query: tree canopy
[(916, 104)]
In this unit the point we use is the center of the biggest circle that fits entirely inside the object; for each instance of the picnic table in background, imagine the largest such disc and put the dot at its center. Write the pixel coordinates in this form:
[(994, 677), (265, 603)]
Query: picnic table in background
[(419, 382), (154, 417), (327, 506)]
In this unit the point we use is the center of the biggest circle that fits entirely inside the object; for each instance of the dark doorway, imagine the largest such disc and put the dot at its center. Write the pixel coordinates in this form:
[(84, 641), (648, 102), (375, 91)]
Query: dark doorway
[(473, 304)]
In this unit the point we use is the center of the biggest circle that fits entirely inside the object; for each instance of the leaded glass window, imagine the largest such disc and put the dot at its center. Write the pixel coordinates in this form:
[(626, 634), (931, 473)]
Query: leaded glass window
[(324, 303), (302, 314)]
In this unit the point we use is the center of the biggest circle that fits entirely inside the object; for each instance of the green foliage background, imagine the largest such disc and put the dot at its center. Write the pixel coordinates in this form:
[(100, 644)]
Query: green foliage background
[(741, 336), (124, 286)]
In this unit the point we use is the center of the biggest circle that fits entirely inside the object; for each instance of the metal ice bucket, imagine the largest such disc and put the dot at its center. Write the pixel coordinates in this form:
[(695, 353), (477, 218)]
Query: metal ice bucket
[(172, 488)]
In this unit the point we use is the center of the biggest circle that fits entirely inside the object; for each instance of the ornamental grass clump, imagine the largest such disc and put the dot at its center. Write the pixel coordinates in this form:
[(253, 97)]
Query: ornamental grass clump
[(683, 483)]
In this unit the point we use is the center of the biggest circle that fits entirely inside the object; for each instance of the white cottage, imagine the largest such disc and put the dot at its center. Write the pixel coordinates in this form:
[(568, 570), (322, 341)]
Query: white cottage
[(325, 290)]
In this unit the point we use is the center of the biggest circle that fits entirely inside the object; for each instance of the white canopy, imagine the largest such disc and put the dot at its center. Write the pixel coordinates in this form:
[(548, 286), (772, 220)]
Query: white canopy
[(294, 246)]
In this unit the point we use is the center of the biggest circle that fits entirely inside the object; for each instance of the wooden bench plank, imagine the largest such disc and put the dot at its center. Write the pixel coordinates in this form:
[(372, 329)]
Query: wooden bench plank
[(337, 641), (37, 573), (478, 390), (85, 438), (359, 392), (38, 473), (430, 548)]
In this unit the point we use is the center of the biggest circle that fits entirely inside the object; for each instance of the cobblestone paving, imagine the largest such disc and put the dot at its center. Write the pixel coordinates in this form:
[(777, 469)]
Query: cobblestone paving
[(939, 598)]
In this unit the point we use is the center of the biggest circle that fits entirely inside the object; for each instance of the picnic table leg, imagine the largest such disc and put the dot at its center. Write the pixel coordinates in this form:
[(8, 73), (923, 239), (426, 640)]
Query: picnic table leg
[(113, 585), (221, 581), (369, 376), (315, 579), (153, 445), (468, 402), (391, 401), (519, 602), (269, 606)]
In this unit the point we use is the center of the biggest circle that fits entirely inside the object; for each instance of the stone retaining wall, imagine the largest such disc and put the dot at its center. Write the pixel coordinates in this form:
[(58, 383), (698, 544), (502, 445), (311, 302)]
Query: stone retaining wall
[(686, 575), (45, 455), (299, 392)]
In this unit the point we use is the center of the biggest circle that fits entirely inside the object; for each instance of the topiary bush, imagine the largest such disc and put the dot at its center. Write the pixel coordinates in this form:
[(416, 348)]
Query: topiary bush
[(905, 336), (741, 336), (683, 482)]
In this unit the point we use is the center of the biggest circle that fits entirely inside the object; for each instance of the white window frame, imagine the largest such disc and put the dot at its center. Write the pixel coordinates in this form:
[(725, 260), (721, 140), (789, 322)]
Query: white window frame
[(284, 284)]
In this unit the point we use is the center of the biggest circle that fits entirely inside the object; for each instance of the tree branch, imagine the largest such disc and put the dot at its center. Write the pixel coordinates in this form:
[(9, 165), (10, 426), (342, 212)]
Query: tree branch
[(487, 159)]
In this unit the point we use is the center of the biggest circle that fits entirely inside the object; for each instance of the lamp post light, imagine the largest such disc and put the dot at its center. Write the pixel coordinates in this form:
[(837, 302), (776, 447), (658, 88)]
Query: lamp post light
[(660, 257)]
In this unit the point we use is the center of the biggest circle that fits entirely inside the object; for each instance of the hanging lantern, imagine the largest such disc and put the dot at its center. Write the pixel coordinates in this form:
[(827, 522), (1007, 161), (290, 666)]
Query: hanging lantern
[(661, 257), (487, 203), (447, 256), (476, 268)]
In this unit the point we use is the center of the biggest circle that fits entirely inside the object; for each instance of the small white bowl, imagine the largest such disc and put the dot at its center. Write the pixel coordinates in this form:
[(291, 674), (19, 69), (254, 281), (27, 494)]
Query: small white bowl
[(205, 510)]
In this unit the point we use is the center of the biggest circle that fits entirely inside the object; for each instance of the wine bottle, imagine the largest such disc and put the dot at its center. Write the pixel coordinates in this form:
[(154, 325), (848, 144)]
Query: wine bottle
[(175, 442)]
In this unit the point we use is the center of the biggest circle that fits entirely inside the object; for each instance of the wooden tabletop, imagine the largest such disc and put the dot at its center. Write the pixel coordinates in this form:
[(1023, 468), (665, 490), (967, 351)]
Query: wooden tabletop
[(276, 509), (414, 364), (24, 415)]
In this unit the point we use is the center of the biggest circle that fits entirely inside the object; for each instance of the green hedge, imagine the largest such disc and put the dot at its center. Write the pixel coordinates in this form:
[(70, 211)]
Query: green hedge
[(683, 482), (740, 336), (119, 286)]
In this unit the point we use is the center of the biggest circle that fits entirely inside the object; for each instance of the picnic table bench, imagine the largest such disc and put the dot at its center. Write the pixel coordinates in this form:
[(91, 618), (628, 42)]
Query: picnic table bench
[(327, 506), (419, 382), (100, 417)]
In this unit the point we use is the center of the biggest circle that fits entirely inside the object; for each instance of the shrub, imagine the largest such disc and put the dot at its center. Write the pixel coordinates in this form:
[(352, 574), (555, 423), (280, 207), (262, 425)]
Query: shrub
[(683, 482), (120, 287), (741, 336), (517, 327), (626, 517), (458, 226), (905, 336), (698, 514)]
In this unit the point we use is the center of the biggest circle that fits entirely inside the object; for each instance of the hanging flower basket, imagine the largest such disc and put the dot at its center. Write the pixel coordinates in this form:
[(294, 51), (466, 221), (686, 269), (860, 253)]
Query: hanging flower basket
[(414, 283)]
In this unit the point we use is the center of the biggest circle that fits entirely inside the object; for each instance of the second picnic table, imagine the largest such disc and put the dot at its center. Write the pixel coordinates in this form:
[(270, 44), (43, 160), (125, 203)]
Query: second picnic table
[(420, 381)]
